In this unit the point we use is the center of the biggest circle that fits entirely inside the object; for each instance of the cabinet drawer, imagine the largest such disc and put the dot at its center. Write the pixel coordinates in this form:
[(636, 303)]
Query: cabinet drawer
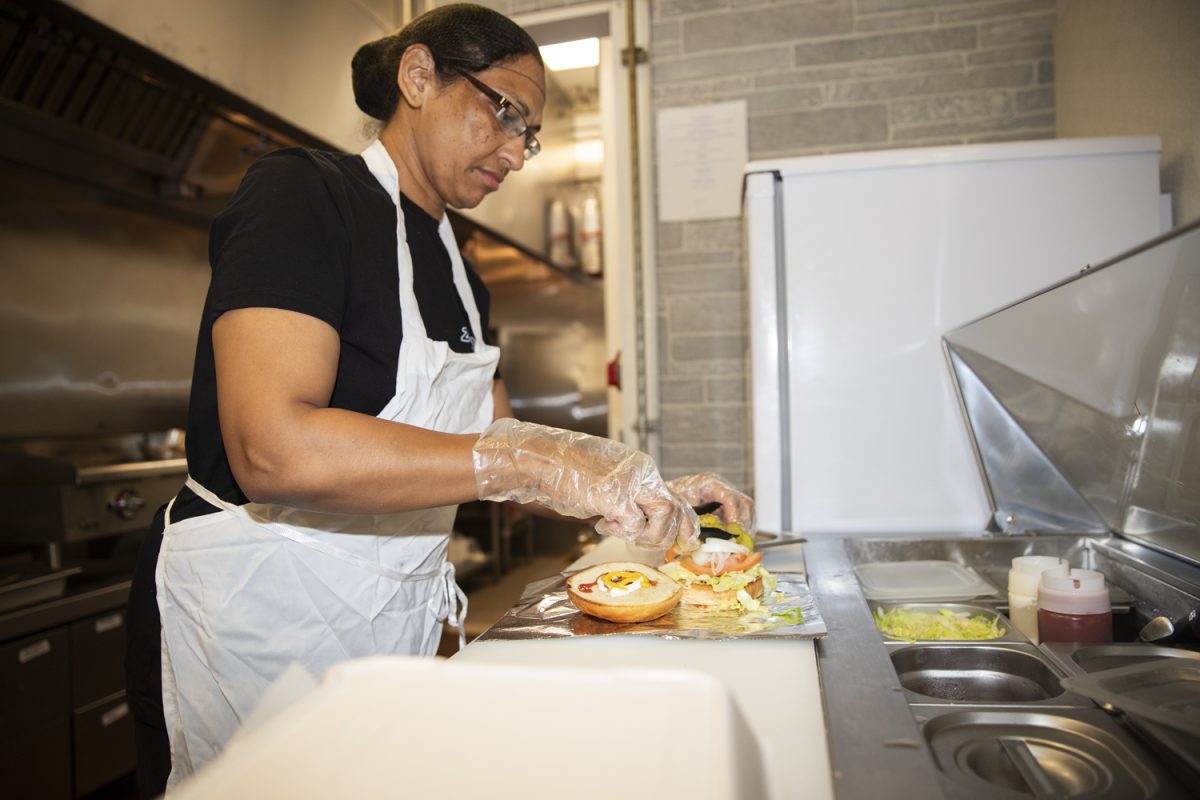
[(104, 748), (97, 657), (35, 739), (35, 678), (35, 761)]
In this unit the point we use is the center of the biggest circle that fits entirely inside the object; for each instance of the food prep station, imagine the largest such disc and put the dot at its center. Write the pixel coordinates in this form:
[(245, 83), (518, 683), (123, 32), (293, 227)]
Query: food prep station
[(851, 715)]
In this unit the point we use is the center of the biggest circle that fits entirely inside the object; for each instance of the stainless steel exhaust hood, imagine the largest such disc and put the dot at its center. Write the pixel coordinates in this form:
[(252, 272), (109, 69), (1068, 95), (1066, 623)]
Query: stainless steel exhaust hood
[(83, 102)]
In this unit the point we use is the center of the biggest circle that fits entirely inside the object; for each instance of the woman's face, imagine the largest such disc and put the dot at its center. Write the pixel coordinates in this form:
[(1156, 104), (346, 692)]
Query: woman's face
[(465, 154)]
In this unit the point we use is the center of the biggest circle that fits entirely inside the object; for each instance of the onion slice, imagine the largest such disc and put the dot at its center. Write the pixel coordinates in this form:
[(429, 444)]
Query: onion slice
[(723, 546)]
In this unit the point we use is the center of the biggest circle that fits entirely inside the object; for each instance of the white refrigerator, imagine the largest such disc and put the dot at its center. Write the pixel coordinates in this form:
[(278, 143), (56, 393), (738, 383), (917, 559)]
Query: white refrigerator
[(859, 262)]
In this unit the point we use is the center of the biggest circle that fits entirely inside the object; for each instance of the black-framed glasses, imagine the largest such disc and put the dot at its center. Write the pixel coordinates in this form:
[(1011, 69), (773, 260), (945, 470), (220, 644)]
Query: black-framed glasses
[(512, 121)]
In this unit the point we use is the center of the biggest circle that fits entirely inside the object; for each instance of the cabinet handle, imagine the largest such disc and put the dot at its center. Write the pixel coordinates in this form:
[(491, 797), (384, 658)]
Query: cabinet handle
[(105, 624), (114, 714), (35, 650)]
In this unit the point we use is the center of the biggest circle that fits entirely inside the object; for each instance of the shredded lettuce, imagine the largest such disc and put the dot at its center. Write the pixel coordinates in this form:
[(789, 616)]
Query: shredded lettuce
[(912, 626), (746, 601), (793, 616), (735, 582)]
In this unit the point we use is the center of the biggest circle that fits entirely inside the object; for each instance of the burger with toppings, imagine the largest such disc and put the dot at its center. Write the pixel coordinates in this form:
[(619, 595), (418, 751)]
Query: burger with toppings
[(622, 591), (724, 571)]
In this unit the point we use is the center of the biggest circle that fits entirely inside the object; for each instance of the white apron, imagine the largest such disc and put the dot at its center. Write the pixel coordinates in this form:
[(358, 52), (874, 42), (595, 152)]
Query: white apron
[(248, 590)]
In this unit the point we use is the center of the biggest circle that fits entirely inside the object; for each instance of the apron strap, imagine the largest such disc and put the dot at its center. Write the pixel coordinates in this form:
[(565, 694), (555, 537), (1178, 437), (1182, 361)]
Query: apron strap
[(384, 169), (459, 272), (207, 496)]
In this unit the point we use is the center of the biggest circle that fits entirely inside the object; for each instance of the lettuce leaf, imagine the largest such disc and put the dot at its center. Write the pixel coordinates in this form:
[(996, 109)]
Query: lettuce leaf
[(729, 582)]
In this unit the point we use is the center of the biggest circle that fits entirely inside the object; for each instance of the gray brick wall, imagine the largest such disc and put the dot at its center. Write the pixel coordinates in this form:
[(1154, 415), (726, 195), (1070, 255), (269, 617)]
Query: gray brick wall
[(818, 77)]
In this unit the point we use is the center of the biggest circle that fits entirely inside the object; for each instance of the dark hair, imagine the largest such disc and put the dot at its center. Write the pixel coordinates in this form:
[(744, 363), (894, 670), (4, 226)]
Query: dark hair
[(461, 37)]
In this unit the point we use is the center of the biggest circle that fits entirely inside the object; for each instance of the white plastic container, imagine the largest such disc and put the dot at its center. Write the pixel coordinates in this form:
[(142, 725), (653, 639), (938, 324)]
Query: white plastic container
[(1023, 579), (590, 256), (560, 235), (898, 581)]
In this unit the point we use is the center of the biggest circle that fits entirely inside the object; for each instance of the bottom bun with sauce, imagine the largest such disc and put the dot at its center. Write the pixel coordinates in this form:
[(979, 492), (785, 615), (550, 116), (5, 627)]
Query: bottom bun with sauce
[(623, 591)]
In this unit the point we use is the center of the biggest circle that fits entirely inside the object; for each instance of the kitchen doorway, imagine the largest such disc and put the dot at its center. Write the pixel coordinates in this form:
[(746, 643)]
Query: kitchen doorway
[(573, 206)]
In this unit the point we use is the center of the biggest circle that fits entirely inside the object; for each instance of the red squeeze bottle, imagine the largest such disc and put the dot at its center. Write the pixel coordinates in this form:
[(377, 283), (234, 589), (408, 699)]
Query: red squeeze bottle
[(1073, 606)]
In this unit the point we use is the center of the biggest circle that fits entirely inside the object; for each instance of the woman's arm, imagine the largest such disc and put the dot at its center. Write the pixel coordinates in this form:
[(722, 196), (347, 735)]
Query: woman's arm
[(275, 376), (501, 407)]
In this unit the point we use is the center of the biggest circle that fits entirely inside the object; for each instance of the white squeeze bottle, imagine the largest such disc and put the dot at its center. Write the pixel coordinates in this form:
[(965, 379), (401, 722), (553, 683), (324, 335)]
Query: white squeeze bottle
[(1023, 580)]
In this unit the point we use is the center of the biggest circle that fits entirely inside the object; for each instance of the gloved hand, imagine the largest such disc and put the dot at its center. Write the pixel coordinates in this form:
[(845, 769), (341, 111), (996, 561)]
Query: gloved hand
[(583, 476), (707, 487)]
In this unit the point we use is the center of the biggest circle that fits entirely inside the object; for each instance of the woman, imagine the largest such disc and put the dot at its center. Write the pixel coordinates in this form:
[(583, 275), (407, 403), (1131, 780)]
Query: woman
[(344, 402)]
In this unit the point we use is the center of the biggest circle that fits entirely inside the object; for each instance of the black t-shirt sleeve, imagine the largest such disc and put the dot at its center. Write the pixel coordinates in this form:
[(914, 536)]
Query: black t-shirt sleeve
[(281, 242)]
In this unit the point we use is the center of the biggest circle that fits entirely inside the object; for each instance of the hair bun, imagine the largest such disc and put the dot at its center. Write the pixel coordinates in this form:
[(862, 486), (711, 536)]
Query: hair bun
[(375, 90)]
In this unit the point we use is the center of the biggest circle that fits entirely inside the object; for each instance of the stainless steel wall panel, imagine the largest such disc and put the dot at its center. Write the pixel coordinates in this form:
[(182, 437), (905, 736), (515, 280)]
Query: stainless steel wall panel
[(99, 308)]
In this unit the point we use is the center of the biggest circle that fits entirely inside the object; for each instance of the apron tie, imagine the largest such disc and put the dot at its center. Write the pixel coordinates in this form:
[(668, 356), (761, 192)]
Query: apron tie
[(451, 604)]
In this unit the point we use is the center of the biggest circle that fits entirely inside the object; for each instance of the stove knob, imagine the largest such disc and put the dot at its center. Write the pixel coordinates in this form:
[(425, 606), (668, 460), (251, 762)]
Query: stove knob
[(126, 504)]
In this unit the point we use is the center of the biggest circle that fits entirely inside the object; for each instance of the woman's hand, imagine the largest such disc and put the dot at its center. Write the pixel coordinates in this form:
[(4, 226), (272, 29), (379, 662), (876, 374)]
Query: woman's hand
[(582, 476), (707, 487)]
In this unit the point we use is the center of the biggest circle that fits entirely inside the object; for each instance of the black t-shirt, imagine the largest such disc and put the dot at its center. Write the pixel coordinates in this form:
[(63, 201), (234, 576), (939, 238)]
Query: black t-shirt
[(314, 232)]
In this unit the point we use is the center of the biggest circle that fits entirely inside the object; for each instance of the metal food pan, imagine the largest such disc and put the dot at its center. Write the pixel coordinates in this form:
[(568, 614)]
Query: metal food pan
[(1077, 658), (1178, 751), (1009, 633), (1166, 691), (1060, 753), (980, 674)]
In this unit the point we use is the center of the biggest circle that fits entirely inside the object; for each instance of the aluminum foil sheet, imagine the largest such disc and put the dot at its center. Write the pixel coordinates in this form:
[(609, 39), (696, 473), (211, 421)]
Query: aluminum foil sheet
[(545, 612)]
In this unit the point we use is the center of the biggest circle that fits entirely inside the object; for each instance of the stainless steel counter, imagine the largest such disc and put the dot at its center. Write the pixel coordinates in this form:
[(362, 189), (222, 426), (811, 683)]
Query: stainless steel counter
[(80, 601), (879, 738), (874, 743)]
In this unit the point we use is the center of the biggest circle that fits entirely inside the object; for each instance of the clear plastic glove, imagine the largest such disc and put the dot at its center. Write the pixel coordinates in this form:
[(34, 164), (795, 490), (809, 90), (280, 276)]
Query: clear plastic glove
[(583, 476), (707, 487)]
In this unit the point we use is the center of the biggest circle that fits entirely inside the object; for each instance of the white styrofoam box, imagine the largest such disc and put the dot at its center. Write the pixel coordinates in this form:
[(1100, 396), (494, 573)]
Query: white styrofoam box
[(394, 726), (859, 263)]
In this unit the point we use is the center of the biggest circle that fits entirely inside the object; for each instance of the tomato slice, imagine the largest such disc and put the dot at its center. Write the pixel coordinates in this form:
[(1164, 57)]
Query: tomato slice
[(735, 562)]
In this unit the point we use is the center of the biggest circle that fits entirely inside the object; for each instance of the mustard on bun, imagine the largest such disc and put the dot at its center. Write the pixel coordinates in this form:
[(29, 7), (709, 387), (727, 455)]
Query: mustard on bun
[(623, 591)]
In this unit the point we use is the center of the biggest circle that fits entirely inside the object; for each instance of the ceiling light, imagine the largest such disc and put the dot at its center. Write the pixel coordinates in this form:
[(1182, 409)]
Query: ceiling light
[(572, 55)]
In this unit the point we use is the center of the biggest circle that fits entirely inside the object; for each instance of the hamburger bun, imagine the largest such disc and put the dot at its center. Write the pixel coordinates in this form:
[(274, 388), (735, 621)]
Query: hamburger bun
[(701, 594), (601, 591)]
